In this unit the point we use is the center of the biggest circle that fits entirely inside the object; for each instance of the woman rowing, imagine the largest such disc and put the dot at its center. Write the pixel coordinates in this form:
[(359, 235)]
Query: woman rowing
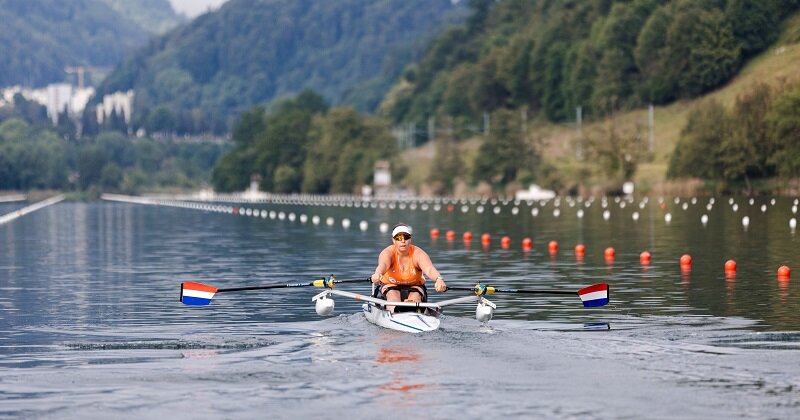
[(400, 269)]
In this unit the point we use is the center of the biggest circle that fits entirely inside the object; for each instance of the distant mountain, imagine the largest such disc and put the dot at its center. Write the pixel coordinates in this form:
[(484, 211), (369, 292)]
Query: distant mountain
[(41, 37), (199, 76), (154, 16)]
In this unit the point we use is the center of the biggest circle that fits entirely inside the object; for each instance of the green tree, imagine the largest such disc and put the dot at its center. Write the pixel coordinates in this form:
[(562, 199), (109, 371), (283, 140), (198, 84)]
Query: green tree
[(505, 152), (783, 122), (697, 153)]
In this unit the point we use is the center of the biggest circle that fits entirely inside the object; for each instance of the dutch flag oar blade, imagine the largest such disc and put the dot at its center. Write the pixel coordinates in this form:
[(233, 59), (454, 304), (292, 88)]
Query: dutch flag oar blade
[(197, 293), (596, 295)]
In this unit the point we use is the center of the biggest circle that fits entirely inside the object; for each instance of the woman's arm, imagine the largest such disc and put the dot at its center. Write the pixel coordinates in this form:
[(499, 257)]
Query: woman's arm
[(384, 262), (426, 265)]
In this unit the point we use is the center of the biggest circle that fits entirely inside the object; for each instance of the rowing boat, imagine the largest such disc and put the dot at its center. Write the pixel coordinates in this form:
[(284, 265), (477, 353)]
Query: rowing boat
[(409, 317), (422, 317)]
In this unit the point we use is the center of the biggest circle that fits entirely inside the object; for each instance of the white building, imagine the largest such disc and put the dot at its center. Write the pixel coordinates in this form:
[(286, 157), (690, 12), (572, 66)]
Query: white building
[(119, 102), (56, 98)]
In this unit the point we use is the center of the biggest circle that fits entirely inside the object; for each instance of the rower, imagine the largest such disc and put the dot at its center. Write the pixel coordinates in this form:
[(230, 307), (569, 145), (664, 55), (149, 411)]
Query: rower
[(400, 270)]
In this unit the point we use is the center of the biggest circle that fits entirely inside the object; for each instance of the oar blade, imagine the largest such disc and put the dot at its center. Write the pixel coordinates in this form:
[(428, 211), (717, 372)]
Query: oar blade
[(196, 294), (595, 295)]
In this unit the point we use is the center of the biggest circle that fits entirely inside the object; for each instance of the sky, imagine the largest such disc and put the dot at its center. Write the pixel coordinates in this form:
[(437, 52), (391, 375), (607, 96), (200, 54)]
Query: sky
[(192, 8)]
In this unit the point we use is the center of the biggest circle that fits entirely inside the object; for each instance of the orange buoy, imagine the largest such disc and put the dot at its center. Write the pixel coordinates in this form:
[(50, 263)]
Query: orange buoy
[(686, 260), (467, 236), (610, 252), (730, 266), (450, 235), (450, 208), (552, 246), (236, 211), (434, 233), (580, 250), (784, 272), (644, 258), (486, 238), (527, 243), (505, 242)]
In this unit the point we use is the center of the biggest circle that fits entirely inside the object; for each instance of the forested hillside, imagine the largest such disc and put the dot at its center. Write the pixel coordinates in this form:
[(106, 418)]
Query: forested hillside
[(199, 77), (41, 37), (550, 57), (154, 16)]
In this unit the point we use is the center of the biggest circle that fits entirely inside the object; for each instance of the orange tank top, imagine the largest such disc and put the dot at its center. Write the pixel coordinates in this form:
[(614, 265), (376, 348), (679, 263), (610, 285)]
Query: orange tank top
[(405, 276)]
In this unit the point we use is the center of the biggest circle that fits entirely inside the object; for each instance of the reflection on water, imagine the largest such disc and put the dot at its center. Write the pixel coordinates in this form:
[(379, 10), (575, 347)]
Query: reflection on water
[(90, 322)]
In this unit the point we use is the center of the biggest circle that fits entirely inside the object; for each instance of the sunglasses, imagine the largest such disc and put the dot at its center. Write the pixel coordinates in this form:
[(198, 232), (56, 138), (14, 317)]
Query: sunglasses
[(402, 236)]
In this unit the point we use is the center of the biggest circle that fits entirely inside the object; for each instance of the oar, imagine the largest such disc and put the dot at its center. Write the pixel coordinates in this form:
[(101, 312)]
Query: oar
[(193, 293), (595, 295)]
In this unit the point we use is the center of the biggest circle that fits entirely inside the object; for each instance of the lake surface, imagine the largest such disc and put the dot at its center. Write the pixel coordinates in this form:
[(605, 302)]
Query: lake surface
[(91, 325)]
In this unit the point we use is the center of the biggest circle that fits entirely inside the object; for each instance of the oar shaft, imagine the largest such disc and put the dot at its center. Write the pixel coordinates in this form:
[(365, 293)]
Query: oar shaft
[(529, 291), (284, 285)]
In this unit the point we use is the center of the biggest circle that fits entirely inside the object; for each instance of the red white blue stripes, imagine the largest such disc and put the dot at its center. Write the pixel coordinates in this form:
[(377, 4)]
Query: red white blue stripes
[(596, 295), (196, 293)]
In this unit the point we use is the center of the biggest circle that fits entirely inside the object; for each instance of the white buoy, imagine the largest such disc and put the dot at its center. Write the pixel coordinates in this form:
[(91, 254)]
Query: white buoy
[(745, 221), (730, 201), (281, 216), (264, 214), (794, 209), (424, 207), (248, 212), (694, 200), (580, 214), (383, 227), (704, 219), (772, 202), (635, 216), (363, 225), (556, 212), (535, 211), (792, 223), (315, 219), (496, 210), (324, 306), (464, 209), (329, 221), (514, 210), (677, 200), (735, 208), (763, 208), (668, 217), (437, 207), (709, 206), (622, 204), (752, 201), (483, 313), (303, 218), (272, 214), (606, 215), (685, 205), (346, 223)]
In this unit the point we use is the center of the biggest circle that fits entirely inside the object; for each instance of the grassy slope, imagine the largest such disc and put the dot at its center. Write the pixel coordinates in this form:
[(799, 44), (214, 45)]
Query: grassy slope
[(777, 65)]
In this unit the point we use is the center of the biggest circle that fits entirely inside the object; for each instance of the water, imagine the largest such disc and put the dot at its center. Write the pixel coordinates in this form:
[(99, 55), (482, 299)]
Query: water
[(91, 326)]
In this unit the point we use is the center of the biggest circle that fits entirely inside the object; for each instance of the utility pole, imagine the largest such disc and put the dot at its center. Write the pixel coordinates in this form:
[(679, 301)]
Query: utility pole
[(650, 126), (579, 120)]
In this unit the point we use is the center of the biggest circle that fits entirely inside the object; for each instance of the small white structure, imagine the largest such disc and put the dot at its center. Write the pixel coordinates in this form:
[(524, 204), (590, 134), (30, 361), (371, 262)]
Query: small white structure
[(119, 102), (534, 192)]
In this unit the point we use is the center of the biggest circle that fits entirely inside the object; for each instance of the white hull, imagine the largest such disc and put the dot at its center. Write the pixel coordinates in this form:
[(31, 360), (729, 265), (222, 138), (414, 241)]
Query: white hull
[(412, 322)]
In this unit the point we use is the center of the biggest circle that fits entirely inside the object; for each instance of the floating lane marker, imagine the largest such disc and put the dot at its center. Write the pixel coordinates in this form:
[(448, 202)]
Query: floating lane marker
[(29, 209)]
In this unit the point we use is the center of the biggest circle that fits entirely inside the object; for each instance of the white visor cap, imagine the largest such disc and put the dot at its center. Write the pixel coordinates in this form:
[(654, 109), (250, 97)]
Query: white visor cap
[(401, 229)]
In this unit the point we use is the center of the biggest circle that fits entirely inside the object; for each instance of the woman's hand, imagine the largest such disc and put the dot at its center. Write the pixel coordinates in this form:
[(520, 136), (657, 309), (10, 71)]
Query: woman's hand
[(440, 285)]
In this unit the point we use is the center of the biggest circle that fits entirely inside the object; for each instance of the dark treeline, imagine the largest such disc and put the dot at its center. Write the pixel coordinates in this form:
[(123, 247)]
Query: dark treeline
[(38, 156), (303, 145), (551, 57), (758, 138)]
